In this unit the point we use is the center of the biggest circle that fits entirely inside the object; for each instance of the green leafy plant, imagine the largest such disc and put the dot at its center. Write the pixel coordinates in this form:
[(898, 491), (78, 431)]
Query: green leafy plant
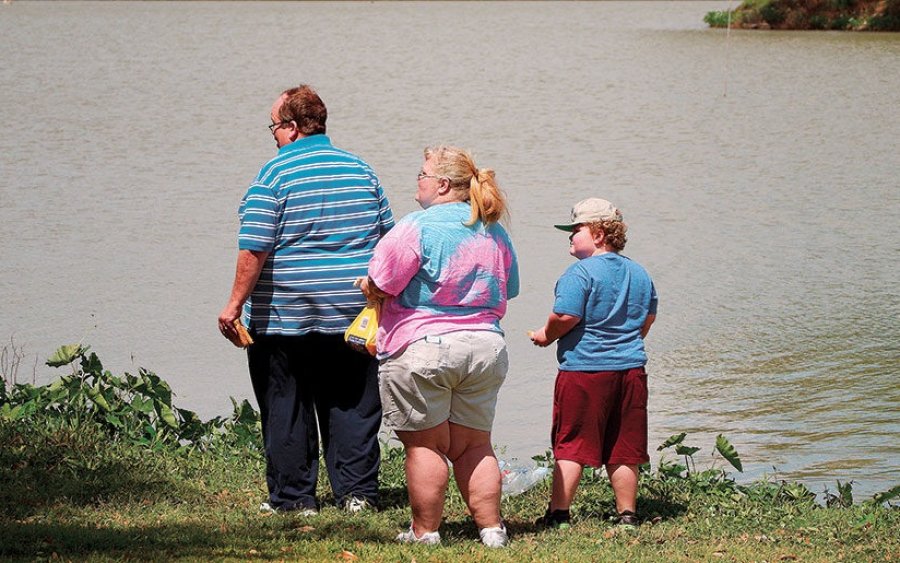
[(842, 498), (886, 496), (727, 451), (137, 409), (718, 18)]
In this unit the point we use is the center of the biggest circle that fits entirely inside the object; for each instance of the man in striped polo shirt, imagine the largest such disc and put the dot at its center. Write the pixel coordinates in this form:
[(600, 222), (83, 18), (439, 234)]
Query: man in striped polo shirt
[(309, 223)]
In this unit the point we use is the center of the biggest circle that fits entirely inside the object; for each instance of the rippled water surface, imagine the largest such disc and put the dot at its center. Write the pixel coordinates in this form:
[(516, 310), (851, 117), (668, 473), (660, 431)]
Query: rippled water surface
[(758, 172)]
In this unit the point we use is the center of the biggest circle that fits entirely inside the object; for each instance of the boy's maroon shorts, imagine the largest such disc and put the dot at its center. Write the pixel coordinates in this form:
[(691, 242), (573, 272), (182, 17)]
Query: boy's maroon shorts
[(600, 417)]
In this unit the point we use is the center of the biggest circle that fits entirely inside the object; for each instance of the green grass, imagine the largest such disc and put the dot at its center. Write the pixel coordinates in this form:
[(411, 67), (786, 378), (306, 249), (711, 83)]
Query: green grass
[(95, 467), (77, 495)]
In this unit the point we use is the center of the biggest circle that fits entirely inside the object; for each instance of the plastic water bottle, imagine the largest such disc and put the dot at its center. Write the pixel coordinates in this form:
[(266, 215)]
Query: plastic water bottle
[(519, 478)]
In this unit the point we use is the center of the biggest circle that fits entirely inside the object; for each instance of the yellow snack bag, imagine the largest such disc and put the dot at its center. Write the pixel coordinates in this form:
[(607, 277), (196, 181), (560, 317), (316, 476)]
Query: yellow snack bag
[(361, 333)]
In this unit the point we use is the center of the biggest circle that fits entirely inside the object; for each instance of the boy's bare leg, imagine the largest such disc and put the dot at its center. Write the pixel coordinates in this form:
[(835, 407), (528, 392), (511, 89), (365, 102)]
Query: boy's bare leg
[(624, 480), (566, 476)]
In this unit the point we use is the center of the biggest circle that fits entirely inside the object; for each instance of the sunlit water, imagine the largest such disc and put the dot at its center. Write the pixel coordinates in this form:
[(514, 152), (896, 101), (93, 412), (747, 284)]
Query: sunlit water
[(758, 173)]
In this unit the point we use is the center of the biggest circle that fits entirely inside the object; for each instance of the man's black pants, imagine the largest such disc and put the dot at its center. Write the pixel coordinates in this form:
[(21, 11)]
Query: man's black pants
[(297, 380)]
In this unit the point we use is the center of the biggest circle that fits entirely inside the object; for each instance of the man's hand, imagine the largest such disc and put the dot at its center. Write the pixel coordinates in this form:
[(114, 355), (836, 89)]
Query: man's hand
[(226, 324), (249, 265)]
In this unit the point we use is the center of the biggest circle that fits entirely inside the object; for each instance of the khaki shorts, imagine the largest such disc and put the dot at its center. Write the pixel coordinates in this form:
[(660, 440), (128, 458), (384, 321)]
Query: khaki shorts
[(454, 376)]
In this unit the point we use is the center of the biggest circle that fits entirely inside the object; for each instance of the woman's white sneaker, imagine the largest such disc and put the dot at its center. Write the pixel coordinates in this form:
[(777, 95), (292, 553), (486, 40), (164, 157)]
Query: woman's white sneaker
[(494, 537), (428, 538)]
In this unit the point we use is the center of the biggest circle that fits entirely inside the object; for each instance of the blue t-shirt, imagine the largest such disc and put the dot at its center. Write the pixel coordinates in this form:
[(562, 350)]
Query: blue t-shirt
[(612, 296)]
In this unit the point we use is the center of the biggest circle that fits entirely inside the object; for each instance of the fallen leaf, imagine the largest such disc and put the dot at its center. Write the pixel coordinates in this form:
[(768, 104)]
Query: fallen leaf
[(305, 529), (719, 553), (252, 552), (348, 556), (788, 557)]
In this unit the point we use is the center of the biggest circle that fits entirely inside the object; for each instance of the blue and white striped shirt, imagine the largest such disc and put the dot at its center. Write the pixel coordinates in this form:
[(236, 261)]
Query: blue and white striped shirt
[(318, 211)]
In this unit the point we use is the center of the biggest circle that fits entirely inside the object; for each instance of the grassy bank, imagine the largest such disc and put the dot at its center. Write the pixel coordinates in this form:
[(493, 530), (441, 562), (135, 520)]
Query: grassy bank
[(96, 467), (849, 15)]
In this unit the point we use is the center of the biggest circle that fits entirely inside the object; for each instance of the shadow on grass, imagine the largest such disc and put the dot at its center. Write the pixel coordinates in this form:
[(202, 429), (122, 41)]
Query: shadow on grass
[(393, 497), (25, 491), (202, 539), (650, 508), (42, 467)]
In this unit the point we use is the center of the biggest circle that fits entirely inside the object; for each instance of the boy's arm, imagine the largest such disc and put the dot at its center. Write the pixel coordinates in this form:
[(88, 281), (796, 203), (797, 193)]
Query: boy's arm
[(646, 328), (557, 326)]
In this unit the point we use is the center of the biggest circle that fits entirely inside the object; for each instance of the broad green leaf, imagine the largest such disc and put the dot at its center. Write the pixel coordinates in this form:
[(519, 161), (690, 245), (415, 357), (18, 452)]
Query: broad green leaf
[(91, 364), (98, 398), (114, 420), (887, 495), (167, 415), (147, 406), (245, 413), (56, 385), (686, 450), (846, 493), (797, 492), (724, 447), (673, 440), (188, 416), (9, 412), (66, 355)]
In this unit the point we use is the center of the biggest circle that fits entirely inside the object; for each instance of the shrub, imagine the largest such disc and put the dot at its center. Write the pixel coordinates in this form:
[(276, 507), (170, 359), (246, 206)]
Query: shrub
[(718, 19), (772, 13), (133, 408)]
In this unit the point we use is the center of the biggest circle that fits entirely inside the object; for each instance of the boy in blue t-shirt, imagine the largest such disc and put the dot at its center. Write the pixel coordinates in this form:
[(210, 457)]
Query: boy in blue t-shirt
[(605, 304)]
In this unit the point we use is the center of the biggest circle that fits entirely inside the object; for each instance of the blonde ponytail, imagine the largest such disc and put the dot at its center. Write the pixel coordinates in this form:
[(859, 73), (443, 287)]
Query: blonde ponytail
[(477, 186), (486, 199)]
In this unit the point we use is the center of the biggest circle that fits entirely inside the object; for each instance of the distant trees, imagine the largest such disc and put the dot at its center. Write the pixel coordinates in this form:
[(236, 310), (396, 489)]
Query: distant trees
[(852, 15)]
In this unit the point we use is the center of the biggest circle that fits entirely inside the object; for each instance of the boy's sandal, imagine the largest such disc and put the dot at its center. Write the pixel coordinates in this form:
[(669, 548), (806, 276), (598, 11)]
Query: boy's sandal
[(628, 518)]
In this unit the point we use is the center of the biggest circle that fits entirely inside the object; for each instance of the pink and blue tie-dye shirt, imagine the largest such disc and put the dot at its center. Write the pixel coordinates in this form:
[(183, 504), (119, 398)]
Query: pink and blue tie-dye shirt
[(443, 276)]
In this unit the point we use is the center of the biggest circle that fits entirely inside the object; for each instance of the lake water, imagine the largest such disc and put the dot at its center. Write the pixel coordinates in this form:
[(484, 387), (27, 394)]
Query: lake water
[(758, 172)]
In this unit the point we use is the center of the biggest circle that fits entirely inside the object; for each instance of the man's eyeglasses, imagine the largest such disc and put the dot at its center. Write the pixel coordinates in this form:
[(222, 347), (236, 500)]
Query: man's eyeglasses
[(275, 126)]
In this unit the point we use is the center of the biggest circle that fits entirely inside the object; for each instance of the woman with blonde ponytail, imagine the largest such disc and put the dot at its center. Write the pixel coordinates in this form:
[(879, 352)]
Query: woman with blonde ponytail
[(443, 276)]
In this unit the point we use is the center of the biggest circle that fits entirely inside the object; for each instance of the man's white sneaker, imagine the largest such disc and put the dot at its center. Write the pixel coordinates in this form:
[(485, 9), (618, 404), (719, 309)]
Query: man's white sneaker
[(355, 504), (494, 537), (267, 508), (428, 538)]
